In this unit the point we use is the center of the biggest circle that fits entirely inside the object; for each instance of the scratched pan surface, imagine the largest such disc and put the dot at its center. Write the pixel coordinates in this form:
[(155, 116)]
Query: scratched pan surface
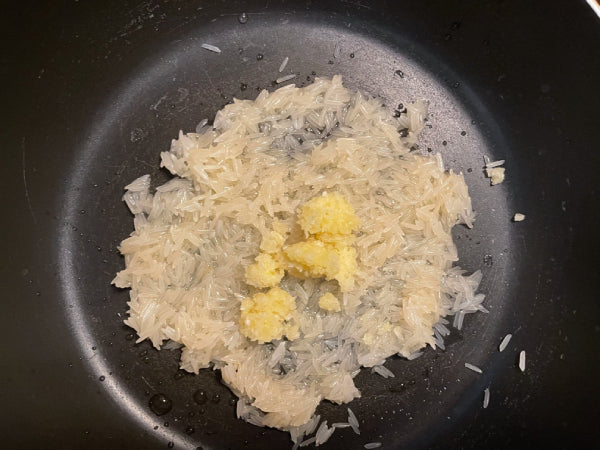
[(93, 92)]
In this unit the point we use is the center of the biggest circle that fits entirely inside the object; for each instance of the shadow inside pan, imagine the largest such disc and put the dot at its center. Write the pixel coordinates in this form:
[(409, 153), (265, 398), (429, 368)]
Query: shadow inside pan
[(174, 88)]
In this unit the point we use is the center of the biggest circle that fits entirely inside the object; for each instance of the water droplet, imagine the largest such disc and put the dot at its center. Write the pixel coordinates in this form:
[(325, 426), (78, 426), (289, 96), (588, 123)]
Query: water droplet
[(243, 87), (200, 397), (170, 444), (99, 248), (94, 348), (444, 143), (216, 398), (130, 336), (351, 55), (232, 401), (189, 430), (259, 56), (243, 18), (160, 404), (399, 73), (102, 378), (488, 260), (457, 84), (166, 424), (82, 211), (179, 375)]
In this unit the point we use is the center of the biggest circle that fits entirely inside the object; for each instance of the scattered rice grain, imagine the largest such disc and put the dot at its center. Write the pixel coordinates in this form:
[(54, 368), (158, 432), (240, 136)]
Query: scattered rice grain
[(473, 368), (504, 342), (211, 48)]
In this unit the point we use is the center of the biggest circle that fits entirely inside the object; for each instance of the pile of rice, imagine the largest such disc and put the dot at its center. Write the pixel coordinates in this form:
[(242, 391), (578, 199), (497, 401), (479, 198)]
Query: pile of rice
[(260, 161)]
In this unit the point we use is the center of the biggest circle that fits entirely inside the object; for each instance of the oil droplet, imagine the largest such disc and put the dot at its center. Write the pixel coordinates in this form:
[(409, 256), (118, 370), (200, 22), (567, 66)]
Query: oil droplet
[(243, 18), (160, 404), (200, 397), (216, 398)]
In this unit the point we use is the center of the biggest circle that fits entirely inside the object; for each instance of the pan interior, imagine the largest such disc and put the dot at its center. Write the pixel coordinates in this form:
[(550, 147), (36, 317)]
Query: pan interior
[(181, 83)]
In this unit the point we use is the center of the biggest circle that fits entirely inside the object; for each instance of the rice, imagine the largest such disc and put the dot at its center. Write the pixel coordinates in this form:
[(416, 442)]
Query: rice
[(261, 159), (283, 64), (337, 49), (473, 368), (504, 342), (522, 360), (353, 421), (211, 48), (373, 445), (323, 434), (518, 217), (383, 371), (486, 397), (285, 78)]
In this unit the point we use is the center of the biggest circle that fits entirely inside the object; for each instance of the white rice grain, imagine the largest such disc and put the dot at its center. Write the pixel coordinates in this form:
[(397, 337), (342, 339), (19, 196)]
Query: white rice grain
[(473, 368), (491, 165), (522, 360), (518, 217), (383, 371), (504, 342), (372, 445), (353, 421), (285, 78), (337, 49), (486, 397), (307, 442), (283, 64), (211, 48)]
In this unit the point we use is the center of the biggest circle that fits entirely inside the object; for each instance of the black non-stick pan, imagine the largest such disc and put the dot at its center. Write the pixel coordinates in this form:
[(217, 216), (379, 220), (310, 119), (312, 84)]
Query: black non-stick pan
[(92, 92)]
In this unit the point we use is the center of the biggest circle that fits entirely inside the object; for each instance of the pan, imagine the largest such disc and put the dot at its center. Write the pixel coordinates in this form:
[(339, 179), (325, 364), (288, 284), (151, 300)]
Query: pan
[(94, 91)]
